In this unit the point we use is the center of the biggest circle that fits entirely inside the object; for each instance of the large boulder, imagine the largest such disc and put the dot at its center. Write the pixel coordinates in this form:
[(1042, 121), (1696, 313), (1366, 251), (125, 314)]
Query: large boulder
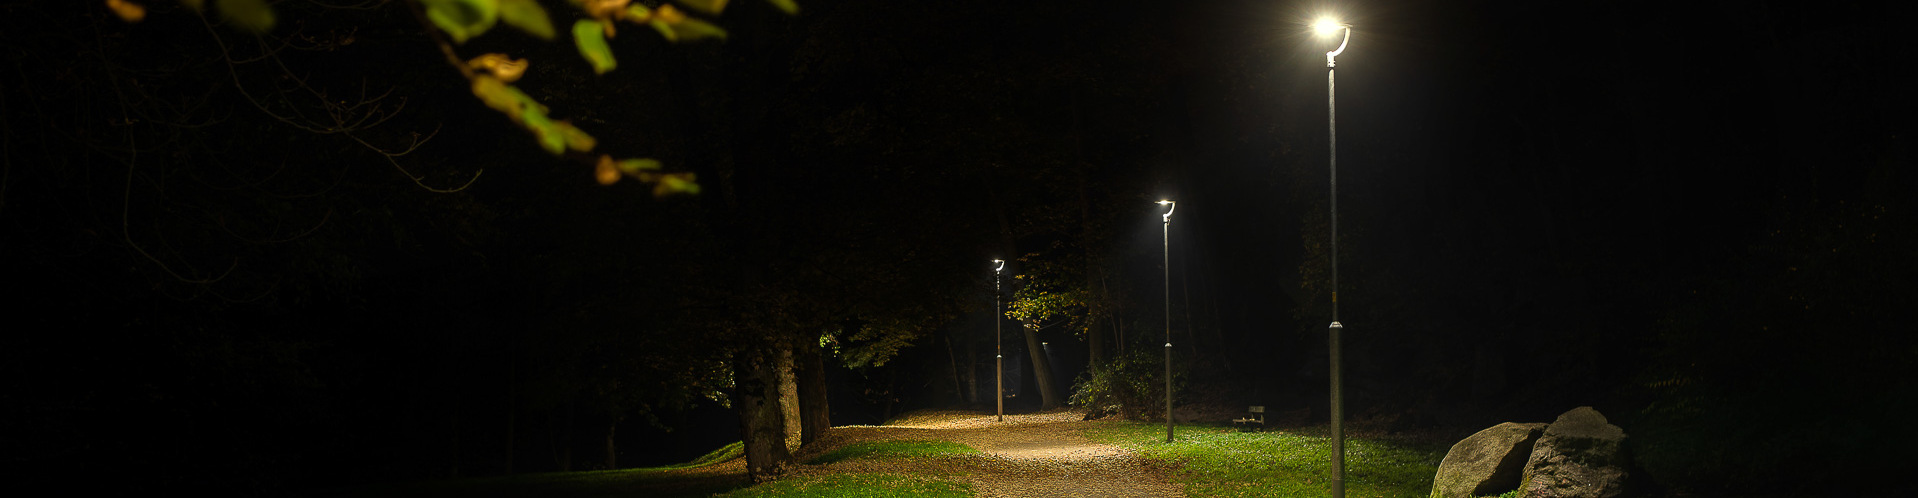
[(1580, 455), (1487, 463)]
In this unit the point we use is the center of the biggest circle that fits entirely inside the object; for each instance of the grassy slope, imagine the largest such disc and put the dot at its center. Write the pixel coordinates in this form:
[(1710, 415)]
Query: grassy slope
[(858, 486), (875, 450), (661, 482), (1215, 461)]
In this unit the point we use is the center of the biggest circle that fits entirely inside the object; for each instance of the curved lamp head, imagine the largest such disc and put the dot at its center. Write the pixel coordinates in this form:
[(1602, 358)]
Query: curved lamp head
[(1325, 26), (1169, 207), (1002, 265)]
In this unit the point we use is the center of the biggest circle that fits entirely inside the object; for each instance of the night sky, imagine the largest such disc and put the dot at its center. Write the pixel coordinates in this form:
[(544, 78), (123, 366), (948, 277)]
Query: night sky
[(1696, 217)]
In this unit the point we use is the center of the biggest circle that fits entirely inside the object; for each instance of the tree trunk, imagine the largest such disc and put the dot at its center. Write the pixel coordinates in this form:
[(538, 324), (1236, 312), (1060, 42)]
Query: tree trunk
[(1118, 326), (512, 411), (788, 398), (1095, 342), (612, 455), (453, 456), (761, 424), (1041, 370), (815, 413), (972, 373), (1095, 338), (952, 364), (1185, 290), (559, 438)]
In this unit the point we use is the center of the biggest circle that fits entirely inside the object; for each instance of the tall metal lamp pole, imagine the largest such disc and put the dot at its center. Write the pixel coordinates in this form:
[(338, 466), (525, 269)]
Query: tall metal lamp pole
[(1166, 233), (998, 344), (1327, 27)]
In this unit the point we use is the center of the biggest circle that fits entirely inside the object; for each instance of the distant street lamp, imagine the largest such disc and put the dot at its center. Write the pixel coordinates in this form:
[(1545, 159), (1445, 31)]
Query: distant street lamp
[(998, 345), (1327, 26), (1167, 239)]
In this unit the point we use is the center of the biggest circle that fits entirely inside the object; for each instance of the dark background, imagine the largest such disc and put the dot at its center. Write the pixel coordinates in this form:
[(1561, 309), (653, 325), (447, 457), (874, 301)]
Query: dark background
[(1694, 216)]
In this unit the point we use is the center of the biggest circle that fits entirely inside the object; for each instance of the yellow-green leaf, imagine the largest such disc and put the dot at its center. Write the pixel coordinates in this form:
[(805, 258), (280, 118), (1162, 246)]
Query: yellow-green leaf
[(590, 37), (250, 15), (501, 66), (196, 5), (694, 29), (128, 11), (496, 95), (638, 165), (528, 16), (713, 7), (576, 139), (462, 19), (788, 6), (677, 183), (638, 13), (665, 30), (550, 138)]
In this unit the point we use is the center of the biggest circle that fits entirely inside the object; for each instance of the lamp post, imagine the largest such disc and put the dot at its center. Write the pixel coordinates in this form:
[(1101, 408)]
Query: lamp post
[(1325, 27), (998, 345), (1166, 233)]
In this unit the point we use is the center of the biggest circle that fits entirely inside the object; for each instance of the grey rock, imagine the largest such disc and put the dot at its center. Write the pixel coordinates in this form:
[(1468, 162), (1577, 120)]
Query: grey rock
[(1580, 455), (1486, 463)]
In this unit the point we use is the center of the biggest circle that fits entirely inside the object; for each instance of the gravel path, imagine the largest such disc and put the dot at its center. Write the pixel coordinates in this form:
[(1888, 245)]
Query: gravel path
[(1033, 455)]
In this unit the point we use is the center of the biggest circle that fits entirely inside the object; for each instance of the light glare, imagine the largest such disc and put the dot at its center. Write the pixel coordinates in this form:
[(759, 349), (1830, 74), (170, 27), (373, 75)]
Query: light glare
[(1326, 25)]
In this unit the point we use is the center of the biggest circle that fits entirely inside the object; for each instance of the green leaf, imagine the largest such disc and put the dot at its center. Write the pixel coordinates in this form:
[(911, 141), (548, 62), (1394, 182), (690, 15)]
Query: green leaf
[(665, 30), (638, 13), (250, 15), (590, 37), (638, 165), (788, 6), (196, 5), (576, 139), (495, 94), (713, 7), (462, 19), (550, 137), (528, 16), (694, 29), (676, 183)]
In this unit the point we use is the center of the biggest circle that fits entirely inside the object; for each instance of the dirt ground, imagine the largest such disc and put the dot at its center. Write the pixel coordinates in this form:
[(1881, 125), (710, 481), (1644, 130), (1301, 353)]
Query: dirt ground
[(1029, 455)]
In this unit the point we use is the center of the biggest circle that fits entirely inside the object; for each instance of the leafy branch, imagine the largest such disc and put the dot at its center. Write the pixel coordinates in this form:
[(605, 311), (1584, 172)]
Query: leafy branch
[(491, 76)]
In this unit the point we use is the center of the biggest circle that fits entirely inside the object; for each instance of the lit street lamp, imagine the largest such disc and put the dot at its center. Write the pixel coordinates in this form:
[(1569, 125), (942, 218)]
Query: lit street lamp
[(998, 345), (1328, 26), (1167, 239)]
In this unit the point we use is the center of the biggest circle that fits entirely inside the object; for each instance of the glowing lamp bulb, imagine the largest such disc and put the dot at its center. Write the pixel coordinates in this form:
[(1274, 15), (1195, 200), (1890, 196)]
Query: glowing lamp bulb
[(1326, 26)]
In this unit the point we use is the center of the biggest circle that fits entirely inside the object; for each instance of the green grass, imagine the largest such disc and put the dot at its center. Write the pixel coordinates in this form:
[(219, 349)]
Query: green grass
[(650, 481), (724, 453), (659, 482), (894, 449), (1215, 461), (856, 486)]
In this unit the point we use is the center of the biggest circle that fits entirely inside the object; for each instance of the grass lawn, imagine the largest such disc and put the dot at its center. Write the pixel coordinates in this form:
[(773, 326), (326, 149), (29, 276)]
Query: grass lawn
[(857, 486), (876, 450), (650, 482), (663, 482), (1220, 461)]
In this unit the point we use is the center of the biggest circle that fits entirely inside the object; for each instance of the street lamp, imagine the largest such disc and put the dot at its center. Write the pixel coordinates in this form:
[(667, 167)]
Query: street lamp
[(1167, 239), (1328, 26), (998, 345)]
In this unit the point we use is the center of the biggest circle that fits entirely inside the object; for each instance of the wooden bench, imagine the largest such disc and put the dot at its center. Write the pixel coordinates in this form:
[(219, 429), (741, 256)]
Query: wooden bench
[(1254, 415)]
